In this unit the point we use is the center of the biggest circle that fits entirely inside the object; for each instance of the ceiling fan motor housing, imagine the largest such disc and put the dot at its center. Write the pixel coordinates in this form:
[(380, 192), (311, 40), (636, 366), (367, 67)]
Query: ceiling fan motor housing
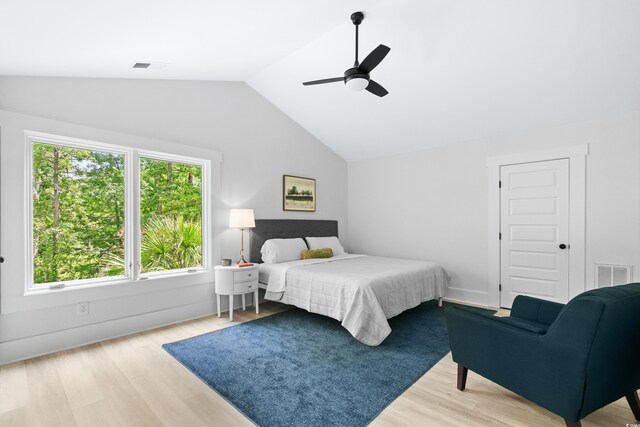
[(355, 80)]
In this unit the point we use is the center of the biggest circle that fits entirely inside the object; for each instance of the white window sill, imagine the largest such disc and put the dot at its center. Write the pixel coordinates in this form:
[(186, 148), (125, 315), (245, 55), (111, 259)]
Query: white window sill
[(90, 284), (36, 299)]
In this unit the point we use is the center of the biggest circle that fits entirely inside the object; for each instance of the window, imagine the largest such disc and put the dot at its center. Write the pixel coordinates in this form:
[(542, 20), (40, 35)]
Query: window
[(78, 212), (102, 213), (170, 215)]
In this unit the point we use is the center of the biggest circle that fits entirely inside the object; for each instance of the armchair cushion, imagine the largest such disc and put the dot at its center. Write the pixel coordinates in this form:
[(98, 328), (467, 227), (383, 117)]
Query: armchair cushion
[(535, 310)]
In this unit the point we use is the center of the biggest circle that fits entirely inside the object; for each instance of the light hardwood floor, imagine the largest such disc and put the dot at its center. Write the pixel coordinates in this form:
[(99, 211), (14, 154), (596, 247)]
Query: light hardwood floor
[(132, 381)]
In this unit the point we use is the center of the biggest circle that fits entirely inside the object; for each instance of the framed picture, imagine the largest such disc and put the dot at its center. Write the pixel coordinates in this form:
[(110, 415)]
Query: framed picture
[(298, 193)]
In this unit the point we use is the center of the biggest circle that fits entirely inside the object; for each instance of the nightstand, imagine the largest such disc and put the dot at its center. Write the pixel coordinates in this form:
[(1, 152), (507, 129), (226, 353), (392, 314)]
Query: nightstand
[(236, 280)]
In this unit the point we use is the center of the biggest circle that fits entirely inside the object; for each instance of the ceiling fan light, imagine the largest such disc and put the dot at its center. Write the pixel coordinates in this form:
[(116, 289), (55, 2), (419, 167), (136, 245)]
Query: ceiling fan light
[(357, 83)]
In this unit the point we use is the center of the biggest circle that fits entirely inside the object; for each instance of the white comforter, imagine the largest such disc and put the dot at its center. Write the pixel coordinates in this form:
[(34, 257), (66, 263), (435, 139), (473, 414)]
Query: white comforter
[(360, 291)]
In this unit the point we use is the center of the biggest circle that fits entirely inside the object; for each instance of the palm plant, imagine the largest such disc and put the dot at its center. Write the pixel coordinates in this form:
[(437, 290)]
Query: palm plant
[(168, 243)]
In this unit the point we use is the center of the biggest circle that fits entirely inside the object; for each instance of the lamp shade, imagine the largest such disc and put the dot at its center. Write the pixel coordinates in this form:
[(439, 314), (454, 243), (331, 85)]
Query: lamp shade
[(241, 218)]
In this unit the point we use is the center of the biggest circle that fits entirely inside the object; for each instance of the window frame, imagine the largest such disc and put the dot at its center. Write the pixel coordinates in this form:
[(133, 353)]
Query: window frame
[(204, 213), (131, 213)]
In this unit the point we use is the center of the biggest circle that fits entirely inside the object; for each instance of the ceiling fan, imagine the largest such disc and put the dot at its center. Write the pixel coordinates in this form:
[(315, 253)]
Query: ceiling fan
[(357, 77)]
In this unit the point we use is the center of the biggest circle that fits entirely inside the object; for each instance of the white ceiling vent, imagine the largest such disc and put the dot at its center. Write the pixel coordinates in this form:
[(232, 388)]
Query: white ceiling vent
[(612, 275), (151, 65)]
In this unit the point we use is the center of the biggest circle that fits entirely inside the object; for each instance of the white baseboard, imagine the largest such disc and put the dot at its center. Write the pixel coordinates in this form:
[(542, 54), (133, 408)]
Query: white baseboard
[(456, 301), (39, 345), (465, 296)]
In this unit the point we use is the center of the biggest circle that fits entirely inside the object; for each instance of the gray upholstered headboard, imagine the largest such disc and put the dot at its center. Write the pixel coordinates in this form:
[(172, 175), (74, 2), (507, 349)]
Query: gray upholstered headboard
[(286, 229)]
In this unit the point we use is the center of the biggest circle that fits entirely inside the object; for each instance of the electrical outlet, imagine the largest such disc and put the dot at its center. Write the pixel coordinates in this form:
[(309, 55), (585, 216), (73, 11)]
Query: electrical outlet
[(83, 308)]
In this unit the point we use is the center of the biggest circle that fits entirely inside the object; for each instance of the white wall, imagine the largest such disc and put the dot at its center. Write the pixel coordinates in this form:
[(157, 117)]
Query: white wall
[(432, 204), (258, 144)]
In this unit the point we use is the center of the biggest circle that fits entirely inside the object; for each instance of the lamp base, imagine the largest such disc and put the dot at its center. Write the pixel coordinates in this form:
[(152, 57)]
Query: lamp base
[(246, 264), (242, 260)]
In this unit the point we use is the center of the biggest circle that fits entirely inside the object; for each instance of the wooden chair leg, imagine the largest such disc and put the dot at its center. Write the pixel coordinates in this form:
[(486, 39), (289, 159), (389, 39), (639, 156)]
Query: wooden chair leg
[(634, 402), (573, 423), (462, 377)]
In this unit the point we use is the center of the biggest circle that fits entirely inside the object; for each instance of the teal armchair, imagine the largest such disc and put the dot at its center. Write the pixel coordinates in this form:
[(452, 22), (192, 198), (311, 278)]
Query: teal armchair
[(570, 359)]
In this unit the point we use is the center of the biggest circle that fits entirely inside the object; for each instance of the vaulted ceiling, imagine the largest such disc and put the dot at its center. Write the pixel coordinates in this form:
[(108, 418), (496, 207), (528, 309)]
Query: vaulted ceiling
[(458, 69)]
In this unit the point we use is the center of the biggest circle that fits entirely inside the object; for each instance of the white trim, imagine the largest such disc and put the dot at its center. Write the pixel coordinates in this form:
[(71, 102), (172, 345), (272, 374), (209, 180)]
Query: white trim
[(130, 183), (463, 302), (134, 216), (168, 157), (468, 296), (493, 250), (577, 214), (75, 142), (102, 282)]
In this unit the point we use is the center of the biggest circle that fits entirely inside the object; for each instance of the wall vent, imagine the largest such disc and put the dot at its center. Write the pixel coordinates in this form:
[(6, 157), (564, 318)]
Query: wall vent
[(612, 275), (151, 65)]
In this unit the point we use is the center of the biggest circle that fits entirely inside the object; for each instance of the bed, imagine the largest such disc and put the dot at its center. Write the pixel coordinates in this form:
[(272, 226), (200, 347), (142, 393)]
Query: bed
[(360, 291)]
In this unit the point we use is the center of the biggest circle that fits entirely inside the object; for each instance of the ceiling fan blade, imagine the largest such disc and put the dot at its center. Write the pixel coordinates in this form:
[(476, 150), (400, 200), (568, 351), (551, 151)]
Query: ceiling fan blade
[(319, 82), (373, 59), (376, 89)]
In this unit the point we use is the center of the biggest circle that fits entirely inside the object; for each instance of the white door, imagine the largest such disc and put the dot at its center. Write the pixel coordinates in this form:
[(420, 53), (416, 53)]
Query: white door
[(534, 228)]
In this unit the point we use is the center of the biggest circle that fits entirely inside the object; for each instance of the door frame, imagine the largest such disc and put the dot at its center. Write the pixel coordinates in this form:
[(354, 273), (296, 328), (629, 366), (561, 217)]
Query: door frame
[(577, 155)]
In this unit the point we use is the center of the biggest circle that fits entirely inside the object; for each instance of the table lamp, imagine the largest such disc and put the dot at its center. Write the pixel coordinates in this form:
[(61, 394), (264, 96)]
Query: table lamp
[(241, 218)]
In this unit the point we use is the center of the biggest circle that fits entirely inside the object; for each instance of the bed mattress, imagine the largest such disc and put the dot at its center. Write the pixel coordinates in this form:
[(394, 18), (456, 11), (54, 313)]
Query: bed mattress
[(360, 291)]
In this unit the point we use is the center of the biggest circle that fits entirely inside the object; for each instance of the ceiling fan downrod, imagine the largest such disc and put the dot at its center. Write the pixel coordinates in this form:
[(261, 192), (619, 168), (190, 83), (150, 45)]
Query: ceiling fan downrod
[(357, 18)]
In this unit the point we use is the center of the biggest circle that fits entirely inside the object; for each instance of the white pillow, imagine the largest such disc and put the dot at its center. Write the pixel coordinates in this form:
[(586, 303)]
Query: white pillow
[(275, 251), (326, 242)]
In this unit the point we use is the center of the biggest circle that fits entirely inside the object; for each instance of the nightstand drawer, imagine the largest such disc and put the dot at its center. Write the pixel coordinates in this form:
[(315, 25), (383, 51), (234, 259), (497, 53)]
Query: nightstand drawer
[(244, 287), (245, 276)]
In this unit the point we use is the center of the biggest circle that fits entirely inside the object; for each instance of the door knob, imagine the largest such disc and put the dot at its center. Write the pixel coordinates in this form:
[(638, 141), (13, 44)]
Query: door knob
[(563, 246)]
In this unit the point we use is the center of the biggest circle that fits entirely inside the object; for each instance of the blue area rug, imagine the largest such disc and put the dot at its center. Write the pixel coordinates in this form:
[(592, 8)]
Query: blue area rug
[(301, 369)]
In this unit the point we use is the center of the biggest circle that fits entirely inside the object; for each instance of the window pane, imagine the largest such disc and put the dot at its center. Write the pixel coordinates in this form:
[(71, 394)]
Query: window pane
[(170, 215), (78, 214)]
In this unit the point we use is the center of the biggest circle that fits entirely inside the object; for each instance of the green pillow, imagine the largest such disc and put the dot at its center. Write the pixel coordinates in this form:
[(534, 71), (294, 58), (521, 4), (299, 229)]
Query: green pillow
[(317, 253)]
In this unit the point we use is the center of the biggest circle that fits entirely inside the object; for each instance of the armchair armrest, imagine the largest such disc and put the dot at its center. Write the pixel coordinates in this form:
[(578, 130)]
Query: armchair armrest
[(523, 325), (535, 310)]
